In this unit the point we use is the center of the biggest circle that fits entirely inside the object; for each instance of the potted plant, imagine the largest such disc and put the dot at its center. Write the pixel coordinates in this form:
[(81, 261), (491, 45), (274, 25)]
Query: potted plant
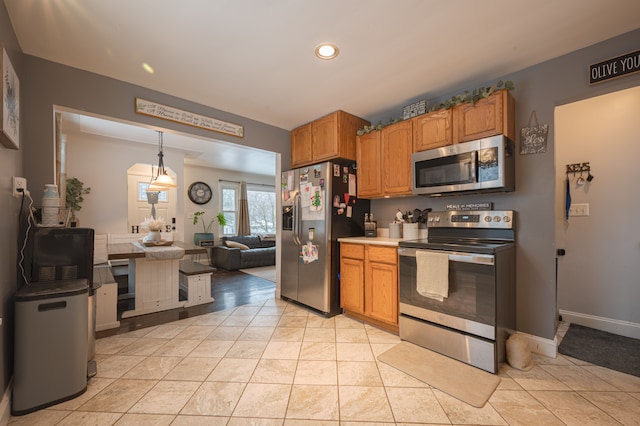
[(206, 227), (74, 198)]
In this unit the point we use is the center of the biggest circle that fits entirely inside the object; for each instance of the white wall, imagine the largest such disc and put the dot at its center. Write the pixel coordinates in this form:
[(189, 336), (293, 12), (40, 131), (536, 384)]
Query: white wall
[(212, 178), (599, 275), (101, 164)]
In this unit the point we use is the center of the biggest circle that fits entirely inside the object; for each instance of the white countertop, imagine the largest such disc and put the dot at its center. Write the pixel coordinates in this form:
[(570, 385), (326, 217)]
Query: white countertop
[(382, 241), (382, 238)]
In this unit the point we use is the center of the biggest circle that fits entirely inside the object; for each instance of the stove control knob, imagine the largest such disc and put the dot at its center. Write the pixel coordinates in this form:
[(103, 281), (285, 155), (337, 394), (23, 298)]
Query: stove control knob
[(437, 218), (487, 218), (507, 219), (497, 218)]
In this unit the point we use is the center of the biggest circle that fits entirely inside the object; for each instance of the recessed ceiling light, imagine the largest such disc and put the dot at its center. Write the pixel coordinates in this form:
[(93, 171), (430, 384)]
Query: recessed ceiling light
[(327, 51)]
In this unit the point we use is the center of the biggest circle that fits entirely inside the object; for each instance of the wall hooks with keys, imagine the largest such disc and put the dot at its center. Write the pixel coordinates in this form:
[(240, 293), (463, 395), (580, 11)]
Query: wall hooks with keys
[(580, 168)]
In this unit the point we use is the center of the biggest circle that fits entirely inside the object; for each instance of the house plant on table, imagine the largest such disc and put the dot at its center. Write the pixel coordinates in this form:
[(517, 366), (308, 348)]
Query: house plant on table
[(74, 197), (206, 227)]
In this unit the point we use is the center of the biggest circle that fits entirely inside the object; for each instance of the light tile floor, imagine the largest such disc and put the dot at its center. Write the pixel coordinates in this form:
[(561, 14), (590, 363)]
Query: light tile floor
[(277, 364)]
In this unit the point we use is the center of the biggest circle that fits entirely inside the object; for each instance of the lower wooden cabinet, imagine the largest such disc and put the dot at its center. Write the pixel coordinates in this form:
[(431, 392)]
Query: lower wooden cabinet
[(369, 283)]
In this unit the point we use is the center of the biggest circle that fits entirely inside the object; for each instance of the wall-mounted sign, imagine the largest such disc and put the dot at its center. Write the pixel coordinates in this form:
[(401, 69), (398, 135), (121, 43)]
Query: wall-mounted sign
[(184, 117), (483, 205), (614, 67)]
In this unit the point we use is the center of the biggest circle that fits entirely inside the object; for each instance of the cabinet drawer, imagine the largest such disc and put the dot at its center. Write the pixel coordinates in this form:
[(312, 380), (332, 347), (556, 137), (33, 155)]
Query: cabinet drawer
[(354, 251), (382, 254)]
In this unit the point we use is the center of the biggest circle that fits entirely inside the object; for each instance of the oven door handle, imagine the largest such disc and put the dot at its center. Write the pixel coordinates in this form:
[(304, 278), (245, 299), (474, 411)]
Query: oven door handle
[(454, 256)]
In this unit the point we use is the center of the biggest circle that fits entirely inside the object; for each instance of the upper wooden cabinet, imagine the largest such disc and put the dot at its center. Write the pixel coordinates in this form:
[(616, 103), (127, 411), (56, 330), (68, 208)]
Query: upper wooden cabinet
[(301, 145), (369, 165), (397, 147), (329, 137), (490, 116), (433, 130), (384, 161)]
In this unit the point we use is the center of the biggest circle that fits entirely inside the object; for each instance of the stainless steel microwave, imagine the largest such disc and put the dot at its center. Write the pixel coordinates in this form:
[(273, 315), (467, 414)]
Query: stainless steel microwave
[(483, 165)]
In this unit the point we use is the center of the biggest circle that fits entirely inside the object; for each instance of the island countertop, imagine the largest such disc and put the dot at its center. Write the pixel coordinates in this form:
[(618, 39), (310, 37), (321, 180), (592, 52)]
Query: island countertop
[(131, 251)]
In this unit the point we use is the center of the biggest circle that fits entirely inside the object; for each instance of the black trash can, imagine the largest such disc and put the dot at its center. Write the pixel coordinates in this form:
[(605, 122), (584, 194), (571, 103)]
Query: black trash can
[(51, 328)]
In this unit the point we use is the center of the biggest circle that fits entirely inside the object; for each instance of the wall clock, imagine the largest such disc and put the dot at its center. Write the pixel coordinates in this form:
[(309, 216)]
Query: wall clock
[(200, 193)]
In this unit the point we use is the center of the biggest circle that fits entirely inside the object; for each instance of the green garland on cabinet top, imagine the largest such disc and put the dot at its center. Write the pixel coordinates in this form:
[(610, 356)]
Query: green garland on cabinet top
[(463, 98)]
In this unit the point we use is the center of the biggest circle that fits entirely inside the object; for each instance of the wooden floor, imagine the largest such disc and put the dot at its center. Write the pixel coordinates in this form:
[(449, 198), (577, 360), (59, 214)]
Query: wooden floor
[(228, 288)]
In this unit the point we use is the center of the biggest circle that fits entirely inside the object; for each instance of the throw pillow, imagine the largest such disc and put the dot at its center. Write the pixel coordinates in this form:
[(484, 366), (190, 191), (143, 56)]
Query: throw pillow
[(236, 244)]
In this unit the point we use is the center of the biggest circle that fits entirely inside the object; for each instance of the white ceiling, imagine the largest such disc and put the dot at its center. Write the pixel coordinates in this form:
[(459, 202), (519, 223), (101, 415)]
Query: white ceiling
[(255, 58)]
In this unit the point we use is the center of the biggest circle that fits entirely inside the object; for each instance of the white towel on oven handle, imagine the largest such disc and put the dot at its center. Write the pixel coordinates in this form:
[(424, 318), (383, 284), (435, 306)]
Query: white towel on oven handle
[(432, 277)]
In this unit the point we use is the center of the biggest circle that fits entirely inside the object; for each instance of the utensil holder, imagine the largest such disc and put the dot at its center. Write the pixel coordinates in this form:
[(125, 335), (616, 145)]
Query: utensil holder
[(410, 231), (395, 230)]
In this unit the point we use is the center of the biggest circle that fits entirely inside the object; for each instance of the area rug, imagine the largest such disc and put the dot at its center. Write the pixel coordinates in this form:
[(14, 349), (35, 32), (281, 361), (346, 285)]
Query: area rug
[(461, 381), (264, 272), (601, 348)]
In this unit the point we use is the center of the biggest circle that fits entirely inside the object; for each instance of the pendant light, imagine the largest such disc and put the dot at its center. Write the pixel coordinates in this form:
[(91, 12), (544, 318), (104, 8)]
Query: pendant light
[(162, 181)]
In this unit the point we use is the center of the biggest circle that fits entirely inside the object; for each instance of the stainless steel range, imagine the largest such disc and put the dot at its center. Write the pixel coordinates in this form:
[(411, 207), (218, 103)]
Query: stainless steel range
[(457, 286)]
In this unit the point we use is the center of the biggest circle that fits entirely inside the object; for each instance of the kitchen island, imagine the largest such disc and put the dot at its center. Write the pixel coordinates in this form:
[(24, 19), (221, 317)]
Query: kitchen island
[(154, 281)]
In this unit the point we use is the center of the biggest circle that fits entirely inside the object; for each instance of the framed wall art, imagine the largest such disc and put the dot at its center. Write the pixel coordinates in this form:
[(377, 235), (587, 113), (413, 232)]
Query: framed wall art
[(10, 107)]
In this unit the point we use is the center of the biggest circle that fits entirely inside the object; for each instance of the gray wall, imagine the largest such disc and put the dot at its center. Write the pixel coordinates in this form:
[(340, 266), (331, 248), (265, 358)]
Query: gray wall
[(10, 165), (47, 84), (540, 88)]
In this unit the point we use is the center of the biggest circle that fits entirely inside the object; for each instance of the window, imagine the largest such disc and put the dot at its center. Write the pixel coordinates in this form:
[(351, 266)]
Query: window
[(262, 209), (142, 193), (229, 207)]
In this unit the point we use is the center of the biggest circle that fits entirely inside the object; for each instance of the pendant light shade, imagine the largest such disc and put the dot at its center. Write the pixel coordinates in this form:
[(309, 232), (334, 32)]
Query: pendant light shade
[(162, 181)]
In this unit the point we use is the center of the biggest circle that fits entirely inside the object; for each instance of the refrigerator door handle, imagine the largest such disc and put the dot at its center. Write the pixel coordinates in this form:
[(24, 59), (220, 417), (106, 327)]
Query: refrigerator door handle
[(296, 219)]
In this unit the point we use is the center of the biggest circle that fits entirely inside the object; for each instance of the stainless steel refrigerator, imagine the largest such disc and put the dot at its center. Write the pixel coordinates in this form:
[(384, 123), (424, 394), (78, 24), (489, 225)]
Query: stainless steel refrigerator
[(319, 205)]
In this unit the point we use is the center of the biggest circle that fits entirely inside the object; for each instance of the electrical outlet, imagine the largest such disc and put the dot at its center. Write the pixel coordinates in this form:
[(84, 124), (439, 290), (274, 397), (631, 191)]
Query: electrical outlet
[(579, 209), (19, 186)]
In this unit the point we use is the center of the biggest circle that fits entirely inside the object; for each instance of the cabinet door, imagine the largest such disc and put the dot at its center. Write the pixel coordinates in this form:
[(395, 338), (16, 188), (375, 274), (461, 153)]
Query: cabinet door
[(301, 142), (483, 119), (325, 138), (352, 284), (397, 147), (432, 130), (368, 161), (381, 292)]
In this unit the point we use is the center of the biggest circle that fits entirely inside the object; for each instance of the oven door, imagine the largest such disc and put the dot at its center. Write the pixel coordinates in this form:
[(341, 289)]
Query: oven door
[(471, 305)]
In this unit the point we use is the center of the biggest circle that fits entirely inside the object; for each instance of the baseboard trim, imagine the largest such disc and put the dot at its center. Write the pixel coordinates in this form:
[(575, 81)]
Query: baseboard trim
[(623, 328), (538, 345), (5, 404)]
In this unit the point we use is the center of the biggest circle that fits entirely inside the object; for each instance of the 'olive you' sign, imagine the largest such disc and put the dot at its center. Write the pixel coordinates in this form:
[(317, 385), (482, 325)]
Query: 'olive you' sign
[(614, 67)]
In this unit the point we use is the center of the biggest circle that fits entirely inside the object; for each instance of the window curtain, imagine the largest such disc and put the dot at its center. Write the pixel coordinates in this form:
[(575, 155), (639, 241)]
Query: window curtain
[(243, 214)]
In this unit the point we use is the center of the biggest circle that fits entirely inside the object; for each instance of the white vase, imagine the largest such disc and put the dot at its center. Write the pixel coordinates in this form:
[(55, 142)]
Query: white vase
[(153, 236)]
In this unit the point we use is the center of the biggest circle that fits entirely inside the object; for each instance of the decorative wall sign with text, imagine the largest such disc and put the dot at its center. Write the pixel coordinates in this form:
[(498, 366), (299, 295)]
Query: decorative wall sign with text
[(614, 67), (185, 117), (482, 205)]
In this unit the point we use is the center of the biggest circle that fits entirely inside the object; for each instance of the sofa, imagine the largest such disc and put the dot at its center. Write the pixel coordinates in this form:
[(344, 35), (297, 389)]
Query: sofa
[(246, 251)]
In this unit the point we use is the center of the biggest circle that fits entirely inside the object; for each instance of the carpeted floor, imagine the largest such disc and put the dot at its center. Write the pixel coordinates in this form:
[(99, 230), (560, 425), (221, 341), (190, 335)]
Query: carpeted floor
[(608, 350)]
